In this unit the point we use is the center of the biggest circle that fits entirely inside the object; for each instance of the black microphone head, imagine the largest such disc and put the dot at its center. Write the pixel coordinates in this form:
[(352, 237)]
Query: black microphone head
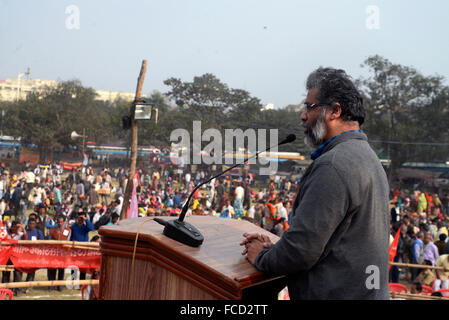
[(290, 138)]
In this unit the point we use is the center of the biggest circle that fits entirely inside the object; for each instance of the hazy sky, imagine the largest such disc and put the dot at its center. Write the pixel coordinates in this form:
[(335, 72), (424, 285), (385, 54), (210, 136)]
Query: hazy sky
[(265, 47)]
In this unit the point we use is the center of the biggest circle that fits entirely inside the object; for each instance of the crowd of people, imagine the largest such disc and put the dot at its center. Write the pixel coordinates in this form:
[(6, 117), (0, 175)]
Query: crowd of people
[(422, 219), (46, 202)]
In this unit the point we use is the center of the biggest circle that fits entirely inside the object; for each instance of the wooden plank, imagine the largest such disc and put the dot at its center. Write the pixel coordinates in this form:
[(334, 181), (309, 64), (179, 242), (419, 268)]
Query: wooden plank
[(29, 284), (55, 242), (411, 265), (410, 296)]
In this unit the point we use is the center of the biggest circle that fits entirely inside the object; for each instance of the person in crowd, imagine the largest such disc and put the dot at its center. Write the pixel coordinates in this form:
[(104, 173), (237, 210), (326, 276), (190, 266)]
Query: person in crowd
[(442, 276), (417, 253), (104, 219), (441, 243), (60, 232), (114, 219), (34, 234), (80, 232), (279, 227), (80, 191), (430, 250), (238, 201), (416, 288), (399, 251), (427, 276), (228, 210), (16, 231)]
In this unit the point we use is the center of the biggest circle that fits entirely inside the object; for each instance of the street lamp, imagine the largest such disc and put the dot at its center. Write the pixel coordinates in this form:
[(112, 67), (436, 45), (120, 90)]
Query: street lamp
[(144, 111)]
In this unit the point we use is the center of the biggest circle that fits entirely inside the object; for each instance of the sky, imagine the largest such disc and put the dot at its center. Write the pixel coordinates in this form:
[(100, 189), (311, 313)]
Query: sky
[(267, 47)]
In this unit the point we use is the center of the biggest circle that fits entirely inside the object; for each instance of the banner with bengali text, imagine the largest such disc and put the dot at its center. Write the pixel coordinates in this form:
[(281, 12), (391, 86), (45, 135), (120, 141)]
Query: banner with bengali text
[(28, 258)]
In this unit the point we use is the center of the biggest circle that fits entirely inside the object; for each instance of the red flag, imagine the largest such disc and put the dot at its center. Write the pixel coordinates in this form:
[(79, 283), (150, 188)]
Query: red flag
[(3, 232), (394, 246), (138, 179)]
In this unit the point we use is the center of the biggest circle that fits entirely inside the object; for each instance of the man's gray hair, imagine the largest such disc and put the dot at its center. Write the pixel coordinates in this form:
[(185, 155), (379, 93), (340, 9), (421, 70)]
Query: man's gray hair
[(334, 85)]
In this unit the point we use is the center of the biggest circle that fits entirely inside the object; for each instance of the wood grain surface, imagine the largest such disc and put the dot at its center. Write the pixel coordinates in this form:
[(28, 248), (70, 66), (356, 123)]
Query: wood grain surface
[(216, 268)]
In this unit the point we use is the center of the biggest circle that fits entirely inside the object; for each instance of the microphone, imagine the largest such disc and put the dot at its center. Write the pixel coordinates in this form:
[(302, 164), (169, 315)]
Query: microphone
[(288, 139), (185, 232)]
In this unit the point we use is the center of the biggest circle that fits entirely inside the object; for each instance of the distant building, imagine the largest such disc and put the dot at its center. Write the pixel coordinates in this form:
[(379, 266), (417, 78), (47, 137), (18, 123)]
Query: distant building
[(14, 89), (105, 95), (294, 108), (269, 106)]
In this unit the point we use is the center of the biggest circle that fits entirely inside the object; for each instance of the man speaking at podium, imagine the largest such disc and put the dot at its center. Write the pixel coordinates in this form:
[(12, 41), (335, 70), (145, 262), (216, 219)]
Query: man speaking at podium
[(338, 241)]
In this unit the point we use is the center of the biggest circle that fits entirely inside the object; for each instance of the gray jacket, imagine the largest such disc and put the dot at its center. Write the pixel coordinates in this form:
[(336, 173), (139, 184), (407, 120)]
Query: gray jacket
[(337, 244)]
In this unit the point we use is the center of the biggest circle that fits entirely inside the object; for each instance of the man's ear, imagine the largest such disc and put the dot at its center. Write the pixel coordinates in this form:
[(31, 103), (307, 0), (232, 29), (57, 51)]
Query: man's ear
[(335, 111)]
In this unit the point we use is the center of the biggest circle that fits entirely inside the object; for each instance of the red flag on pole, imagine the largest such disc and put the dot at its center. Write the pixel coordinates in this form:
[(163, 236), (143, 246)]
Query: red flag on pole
[(138, 179), (394, 246)]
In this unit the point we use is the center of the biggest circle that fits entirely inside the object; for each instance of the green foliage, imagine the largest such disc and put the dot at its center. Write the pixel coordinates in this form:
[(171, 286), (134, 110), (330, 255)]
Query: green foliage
[(405, 106), (47, 118), (220, 107), (402, 105)]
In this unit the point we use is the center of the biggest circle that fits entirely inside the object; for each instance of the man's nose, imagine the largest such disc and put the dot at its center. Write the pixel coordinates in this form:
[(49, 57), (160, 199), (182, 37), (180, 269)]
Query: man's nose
[(304, 116)]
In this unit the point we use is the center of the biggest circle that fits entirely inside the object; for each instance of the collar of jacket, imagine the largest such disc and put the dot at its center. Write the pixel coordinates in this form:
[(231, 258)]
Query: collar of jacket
[(344, 136)]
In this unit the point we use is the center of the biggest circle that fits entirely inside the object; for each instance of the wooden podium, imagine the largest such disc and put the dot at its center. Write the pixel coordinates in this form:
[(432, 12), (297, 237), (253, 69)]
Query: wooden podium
[(165, 269)]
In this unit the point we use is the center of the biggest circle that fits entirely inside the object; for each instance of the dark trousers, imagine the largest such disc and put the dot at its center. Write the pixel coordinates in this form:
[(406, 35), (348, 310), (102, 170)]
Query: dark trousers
[(415, 273), (30, 276), (395, 271), (17, 277), (51, 274)]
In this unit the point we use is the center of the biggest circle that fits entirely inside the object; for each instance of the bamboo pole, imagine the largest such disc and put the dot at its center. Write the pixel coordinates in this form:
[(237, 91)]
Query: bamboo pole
[(33, 242), (6, 268), (411, 296), (29, 284), (420, 266), (134, 143), (82, 247)]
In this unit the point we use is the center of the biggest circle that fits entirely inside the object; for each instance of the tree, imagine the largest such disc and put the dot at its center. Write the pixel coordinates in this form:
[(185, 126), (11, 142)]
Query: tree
[(405, 107), (205, 94), (47, 118)]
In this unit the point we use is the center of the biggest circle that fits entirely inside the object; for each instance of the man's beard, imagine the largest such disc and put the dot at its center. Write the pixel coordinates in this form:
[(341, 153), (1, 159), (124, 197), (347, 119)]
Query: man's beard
[(315, 134)]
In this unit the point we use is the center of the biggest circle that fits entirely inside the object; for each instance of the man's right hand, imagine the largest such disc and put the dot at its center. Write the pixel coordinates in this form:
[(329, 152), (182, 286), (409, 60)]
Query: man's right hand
[(249, 237)]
